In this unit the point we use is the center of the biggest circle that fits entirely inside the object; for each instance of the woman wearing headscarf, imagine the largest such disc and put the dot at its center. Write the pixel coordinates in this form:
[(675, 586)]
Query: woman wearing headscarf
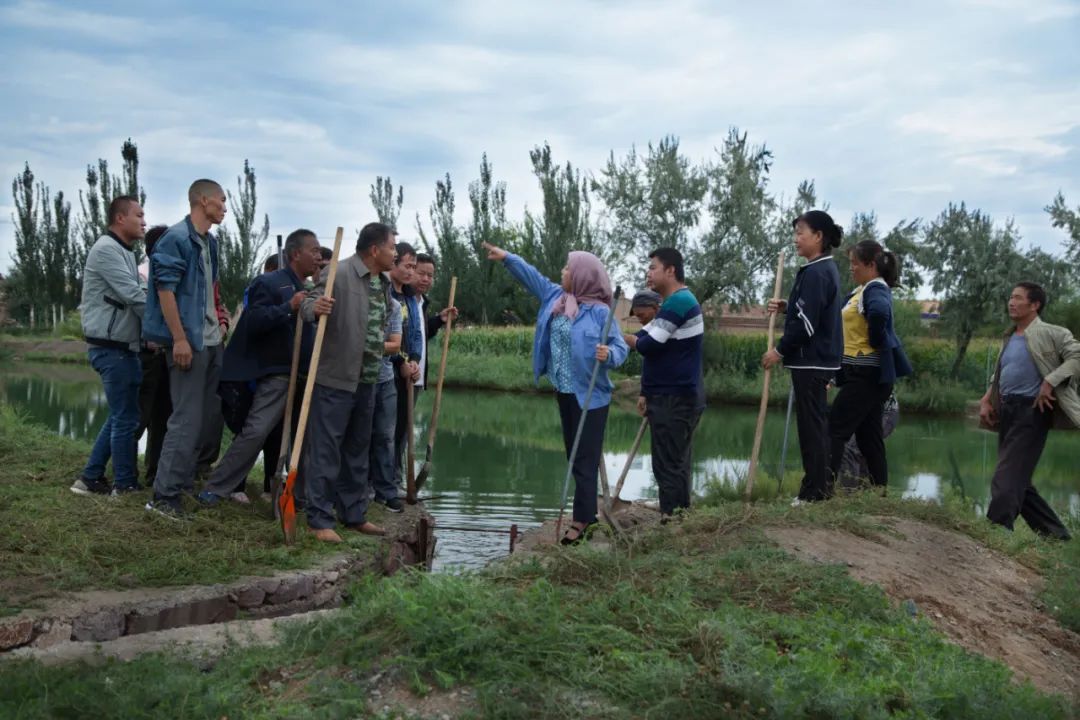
[(566, 345)]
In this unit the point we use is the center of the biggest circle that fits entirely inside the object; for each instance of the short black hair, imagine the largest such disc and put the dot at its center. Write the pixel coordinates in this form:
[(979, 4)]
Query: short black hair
[(669, 257), (325, 252), (202, 188), (425, 258), (152, 236), (295, 242), (119, 206), (373, 234), (1035, 293), (822, 222), (403, 250), (272, 263)]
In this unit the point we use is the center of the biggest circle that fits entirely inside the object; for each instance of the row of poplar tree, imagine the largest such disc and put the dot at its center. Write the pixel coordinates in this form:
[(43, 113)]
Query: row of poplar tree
[(51, 246), (721, 212)]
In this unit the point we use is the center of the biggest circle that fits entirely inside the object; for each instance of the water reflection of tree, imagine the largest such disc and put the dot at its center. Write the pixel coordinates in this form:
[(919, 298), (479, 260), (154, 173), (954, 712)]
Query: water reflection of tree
[(70, 404)]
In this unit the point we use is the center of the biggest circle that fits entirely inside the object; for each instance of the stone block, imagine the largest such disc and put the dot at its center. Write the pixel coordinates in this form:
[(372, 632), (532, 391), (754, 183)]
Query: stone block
[(250, 597), (16, 633), (53, 633), (98, 627)]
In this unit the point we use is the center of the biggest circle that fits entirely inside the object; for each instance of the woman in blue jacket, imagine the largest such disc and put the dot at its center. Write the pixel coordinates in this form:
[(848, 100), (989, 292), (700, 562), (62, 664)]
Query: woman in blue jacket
[(812, 343), (873, 360), (566, 345)]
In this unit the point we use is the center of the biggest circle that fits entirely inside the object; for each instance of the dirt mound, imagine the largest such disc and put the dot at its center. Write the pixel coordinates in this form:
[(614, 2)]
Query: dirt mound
[(980, 600)]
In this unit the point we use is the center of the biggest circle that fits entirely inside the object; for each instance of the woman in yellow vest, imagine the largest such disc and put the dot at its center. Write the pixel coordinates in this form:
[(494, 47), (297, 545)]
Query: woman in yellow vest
[(873, 359)]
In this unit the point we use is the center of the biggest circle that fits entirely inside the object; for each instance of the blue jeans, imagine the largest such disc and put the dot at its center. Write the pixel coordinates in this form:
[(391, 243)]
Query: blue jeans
[(382, 442), (121, 373)]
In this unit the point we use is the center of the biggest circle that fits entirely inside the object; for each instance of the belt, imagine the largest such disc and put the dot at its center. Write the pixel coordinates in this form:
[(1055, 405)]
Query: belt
[(1029, 399)]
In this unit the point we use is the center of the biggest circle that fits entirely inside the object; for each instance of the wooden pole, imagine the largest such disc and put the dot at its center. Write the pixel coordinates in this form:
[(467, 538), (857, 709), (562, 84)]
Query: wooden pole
[(764, 406), (421, 477)]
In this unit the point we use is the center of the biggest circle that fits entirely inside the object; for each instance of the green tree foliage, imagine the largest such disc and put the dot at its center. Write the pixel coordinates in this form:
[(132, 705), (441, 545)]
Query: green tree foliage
[(972, 265), (240, 252), (650, 201), (1064, 217), (728, 261), (42, 224), (387, 204), (565, 223), (492, 290)]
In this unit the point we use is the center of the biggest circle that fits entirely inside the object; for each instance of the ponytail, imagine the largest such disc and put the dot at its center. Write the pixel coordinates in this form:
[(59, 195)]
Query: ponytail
[(886, 262)]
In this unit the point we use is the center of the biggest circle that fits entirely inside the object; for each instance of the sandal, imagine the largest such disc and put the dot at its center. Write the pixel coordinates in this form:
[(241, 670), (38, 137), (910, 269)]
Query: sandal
[(583, 533)]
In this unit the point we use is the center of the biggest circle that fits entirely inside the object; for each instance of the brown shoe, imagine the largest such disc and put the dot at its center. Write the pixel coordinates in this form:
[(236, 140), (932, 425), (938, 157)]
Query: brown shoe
[(368, 528), (326, 535)]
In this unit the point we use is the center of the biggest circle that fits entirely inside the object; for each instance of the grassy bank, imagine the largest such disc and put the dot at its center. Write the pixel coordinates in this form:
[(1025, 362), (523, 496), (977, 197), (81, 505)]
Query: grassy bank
[(499, 359), (53, 540), (703, 619)]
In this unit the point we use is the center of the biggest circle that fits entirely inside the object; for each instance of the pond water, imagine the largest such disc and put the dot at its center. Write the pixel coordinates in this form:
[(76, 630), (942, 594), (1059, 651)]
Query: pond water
[(499, 458)]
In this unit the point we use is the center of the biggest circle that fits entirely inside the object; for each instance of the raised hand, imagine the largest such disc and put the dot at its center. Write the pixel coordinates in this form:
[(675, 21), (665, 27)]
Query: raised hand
[(494, 253)]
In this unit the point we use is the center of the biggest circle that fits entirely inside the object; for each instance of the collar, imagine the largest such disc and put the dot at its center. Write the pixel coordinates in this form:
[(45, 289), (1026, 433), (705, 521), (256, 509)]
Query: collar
[(826, 256), (297, 281), (1012, 328), (114, 236)]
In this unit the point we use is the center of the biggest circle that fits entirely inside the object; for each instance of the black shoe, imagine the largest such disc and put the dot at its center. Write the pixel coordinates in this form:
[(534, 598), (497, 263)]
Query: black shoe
[(117, 491), (82, 486), (170, 508), (394, 505)]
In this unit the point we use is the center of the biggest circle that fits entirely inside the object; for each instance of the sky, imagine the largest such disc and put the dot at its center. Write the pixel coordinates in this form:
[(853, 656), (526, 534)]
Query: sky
[(899, 108)]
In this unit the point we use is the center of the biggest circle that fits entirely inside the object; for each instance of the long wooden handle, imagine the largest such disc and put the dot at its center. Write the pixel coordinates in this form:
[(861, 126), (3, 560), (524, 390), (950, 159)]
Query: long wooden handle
[(294, 371), (410, 467), (309, 387), (630, 457), (442, 366), (763, 407)]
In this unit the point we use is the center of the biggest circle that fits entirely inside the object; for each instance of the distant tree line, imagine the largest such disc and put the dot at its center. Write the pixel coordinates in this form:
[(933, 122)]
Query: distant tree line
[(721, 212)]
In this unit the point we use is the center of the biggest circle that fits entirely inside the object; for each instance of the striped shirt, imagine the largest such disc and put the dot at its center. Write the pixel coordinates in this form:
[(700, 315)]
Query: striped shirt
[(670, 347)]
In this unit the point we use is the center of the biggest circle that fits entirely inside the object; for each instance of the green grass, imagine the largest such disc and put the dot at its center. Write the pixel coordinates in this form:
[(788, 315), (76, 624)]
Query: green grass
[(705, 619), (53, 540)]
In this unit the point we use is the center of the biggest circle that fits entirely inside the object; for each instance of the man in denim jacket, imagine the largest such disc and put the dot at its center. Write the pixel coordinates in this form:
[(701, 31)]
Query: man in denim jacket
[(181, 315)]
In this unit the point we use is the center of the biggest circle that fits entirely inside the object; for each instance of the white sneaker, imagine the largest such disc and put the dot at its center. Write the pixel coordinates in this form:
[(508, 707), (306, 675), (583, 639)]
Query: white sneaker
[(797, 502), (651, 504), (240, 497)]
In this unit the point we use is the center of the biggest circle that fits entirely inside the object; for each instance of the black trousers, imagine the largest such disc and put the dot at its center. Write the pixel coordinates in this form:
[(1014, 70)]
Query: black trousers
[(1021, 438), (272, 447), (811, 416), (672, 421), (155, 407), (589, 455), (401, 429), (857, 411)]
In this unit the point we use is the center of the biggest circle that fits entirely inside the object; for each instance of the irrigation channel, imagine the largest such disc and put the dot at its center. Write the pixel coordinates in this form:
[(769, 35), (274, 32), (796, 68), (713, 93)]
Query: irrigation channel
[(499, 461)]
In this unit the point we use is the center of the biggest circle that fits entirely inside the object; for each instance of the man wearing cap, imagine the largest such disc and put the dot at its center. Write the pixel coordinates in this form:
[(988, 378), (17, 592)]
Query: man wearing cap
[(644, 307)]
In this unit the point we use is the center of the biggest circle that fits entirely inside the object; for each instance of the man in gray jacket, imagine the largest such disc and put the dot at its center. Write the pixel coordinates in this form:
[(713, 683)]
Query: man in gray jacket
[(112, 306), (336, 452)]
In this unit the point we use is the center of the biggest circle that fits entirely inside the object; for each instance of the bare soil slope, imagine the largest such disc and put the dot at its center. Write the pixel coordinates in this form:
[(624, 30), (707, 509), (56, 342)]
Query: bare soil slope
[(982, 601)]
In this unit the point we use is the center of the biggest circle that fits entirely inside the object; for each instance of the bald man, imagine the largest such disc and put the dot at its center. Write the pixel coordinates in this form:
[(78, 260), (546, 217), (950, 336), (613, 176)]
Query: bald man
[(181, 316)]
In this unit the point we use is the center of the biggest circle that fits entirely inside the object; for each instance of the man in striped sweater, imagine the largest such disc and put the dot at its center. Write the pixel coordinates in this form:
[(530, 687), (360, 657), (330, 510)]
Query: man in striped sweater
[(672, 396)]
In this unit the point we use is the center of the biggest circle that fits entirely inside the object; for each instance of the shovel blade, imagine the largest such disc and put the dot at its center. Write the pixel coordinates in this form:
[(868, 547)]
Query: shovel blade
[(287, 506)]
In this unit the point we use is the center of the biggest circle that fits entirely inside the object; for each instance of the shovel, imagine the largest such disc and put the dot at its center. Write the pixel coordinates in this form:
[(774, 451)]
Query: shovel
[(286, 430), (287, 503), (422, 476)]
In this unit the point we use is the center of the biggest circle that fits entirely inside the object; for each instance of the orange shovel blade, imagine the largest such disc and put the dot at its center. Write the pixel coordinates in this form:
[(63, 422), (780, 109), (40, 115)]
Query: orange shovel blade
[(287, 505)]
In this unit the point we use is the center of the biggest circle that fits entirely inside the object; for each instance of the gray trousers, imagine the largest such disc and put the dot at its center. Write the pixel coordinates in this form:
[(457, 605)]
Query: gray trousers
[(267, 409), (335, 461), (193, 392)]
